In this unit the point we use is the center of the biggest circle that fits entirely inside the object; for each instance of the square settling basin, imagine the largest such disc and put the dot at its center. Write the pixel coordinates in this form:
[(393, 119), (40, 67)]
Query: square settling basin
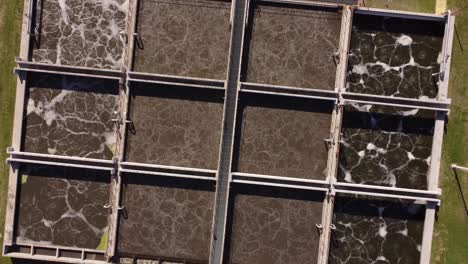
[(183, 37), (375, 230), (177, 126), (395, 56), (269, 225), (387, 146), (282, 136), (62, 206), (70, 116), (291, 45), (83, 33), (166, 218)]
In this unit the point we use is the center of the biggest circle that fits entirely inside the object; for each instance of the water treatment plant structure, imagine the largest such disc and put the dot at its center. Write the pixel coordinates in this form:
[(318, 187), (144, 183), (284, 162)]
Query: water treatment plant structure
[(244, 131)]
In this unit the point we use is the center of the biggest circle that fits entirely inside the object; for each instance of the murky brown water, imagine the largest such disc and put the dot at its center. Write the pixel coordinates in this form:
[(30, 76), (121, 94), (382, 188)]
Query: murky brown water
[(174, 126), (395, 56), (188, 38), (273, 226), (70, 116), (386, 146), (62, 206), (376, 231), (282, 137), (166, 218), (292, 46), (80, 32)]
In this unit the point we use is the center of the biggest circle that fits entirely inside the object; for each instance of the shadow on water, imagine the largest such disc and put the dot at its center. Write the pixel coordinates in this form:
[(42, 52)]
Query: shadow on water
[(170, 92), (460, 189), (167, 182), (369, 207), (424, 28), (57, 172), (72, 83), (422, 125), (177, 92)]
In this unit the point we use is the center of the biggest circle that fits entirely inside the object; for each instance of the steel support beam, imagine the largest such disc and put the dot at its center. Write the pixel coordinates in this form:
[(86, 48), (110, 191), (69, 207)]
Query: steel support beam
[(310, 3), (163, 170), (176, 80), (398, 13), (446, 55), (242, 175), (288, 91), (27, 66), (227, 138), (428, 232), (378, 188), (456, 167), (345, 39), (431, 104), (282, 185), (116, 184), (332, 166), (385, 195)]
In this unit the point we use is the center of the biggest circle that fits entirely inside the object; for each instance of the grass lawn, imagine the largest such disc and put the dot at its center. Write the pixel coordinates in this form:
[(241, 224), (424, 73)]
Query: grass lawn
[(10, 16), (450, 241), (426, 6)]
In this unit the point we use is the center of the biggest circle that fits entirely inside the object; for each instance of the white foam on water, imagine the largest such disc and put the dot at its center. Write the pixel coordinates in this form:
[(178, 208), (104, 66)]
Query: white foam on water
[(371, 146), (63, 10), (404, 232), (391, 180), (348, 177), (381, 258), (360, 69), (383, 230), (52, 150), (428, 160), (404, 40), (31, 106), (362, 108), (440, 58), (411, 112)]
